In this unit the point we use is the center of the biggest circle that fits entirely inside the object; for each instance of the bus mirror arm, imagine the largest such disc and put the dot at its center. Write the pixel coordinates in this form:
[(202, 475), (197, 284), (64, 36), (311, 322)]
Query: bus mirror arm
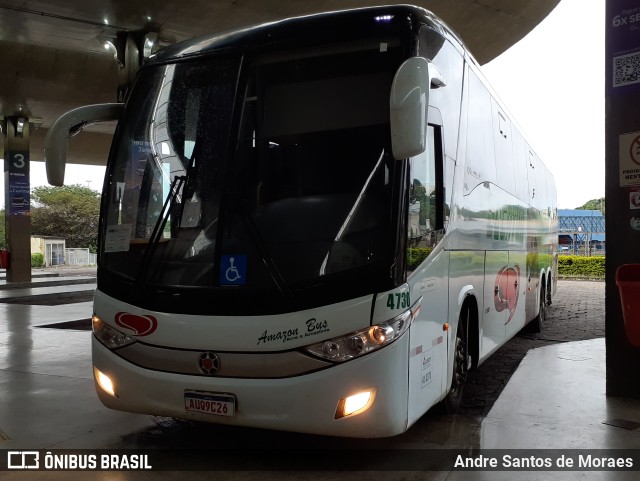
[(68, 125), (76, 129), (436, 79), (408, 103)]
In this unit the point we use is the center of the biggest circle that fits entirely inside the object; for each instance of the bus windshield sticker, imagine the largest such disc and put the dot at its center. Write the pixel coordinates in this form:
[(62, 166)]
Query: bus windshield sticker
[(117, 238), (233, 270)]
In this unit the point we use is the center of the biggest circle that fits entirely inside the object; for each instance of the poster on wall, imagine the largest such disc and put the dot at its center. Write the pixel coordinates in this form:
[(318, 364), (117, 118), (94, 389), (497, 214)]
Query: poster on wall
[(623, 46), (629, 159)]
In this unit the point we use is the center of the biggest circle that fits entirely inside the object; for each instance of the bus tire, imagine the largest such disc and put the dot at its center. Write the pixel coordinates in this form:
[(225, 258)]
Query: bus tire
[(453, 400), (537, 325)]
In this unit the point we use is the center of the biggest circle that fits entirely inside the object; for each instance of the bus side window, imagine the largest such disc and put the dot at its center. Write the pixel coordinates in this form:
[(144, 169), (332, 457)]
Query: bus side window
[(503, 145), (447, 100), (426, 193)]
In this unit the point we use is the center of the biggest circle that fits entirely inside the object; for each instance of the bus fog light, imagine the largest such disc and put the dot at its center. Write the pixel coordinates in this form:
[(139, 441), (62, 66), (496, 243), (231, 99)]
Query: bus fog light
[(356, 403), (105, 382)]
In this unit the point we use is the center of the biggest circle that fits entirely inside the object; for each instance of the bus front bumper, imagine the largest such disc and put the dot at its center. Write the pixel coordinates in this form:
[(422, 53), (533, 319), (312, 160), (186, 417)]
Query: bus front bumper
[(305, 403)]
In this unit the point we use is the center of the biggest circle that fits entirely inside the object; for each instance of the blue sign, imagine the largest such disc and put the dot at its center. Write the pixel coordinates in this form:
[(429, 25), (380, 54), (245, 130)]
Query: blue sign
[(18, 192), (233, 270)]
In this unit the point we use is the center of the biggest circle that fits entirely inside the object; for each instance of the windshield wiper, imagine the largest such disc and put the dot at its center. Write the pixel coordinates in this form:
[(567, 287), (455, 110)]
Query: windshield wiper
[(356, 205), (158, 229), (257, 239), (268, 261)]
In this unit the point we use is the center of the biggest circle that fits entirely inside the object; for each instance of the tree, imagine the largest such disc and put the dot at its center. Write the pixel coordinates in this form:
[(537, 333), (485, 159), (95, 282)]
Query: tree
[(594, 204), (70, 212)]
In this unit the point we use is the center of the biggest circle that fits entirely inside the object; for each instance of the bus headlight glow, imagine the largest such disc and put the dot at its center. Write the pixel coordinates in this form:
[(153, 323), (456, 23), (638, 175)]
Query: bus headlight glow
[(380, 334), (109, 336), (105, 382), (358, 343), (356, 403)]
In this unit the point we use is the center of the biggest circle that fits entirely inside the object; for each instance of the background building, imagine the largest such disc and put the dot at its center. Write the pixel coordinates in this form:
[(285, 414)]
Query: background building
[(581, 232)]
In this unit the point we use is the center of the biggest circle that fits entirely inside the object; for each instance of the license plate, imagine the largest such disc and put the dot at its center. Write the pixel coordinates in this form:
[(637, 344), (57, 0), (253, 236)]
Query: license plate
[(216, 404)]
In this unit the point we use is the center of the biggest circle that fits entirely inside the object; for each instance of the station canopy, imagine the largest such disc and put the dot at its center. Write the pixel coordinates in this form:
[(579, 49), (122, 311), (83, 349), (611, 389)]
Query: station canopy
[(54, 58)]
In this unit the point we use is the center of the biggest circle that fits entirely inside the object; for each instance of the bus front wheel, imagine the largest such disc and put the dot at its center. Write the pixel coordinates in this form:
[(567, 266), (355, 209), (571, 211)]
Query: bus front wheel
[(453, 401)]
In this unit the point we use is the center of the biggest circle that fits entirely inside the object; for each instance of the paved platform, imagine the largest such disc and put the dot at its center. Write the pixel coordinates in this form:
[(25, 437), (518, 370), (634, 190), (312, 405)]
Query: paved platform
[(537, 392), (53, 286)]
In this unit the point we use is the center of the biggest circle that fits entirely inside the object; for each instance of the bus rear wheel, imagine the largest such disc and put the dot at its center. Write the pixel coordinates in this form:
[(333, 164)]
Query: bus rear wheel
[(537, 325)]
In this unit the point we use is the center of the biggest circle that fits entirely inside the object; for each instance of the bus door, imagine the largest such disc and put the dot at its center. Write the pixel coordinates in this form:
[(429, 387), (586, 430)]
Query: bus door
[(428, 343)]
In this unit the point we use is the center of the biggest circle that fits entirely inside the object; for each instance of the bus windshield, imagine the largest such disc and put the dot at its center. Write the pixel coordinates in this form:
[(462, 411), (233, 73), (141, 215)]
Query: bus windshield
[(274, 175)]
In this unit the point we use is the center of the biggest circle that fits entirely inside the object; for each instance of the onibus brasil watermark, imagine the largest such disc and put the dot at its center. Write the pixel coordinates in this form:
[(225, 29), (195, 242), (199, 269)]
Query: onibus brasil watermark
[(35, 460)]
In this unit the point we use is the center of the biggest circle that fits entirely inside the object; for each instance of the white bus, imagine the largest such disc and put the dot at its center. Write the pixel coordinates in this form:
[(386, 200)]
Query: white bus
[(317, 225)]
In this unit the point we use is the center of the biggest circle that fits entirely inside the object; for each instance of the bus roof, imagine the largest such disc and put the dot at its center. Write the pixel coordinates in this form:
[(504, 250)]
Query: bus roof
[(344, 24)]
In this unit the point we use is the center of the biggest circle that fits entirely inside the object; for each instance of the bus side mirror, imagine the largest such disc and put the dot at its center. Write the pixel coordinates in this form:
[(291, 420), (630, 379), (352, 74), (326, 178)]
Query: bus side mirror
[(68, 125), (409, 103)]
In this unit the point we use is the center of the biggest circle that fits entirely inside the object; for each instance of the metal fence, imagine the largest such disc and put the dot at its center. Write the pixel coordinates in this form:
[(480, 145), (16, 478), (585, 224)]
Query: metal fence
[(79, 257), (580, 249)]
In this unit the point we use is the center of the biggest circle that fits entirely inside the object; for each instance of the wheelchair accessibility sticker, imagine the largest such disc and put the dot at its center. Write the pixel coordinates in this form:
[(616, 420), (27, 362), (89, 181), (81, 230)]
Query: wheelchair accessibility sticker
[(233, 270)]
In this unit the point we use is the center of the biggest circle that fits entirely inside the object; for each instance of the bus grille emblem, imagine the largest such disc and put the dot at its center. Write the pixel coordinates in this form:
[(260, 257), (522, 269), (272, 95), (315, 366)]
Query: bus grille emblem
[(209, 363)]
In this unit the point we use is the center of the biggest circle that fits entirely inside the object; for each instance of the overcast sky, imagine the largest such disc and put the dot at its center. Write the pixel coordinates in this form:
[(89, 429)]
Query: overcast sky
[(552, 82)]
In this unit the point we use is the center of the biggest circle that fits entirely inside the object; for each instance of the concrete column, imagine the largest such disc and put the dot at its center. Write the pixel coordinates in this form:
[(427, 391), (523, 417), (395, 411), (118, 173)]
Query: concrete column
[(17, 198), (128, 55), (622, 187), (131, 50)]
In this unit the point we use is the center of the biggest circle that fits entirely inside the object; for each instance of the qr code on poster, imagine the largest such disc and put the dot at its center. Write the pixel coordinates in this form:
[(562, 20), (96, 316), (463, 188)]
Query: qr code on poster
[(626, 69)]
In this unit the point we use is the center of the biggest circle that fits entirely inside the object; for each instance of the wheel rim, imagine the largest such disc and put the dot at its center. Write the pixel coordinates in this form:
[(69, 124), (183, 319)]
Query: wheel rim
[(543, 309), (459, 373)]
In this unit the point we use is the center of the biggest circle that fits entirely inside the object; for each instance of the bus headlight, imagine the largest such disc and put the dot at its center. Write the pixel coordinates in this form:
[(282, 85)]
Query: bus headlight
[(109, 336), (364, 341)]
